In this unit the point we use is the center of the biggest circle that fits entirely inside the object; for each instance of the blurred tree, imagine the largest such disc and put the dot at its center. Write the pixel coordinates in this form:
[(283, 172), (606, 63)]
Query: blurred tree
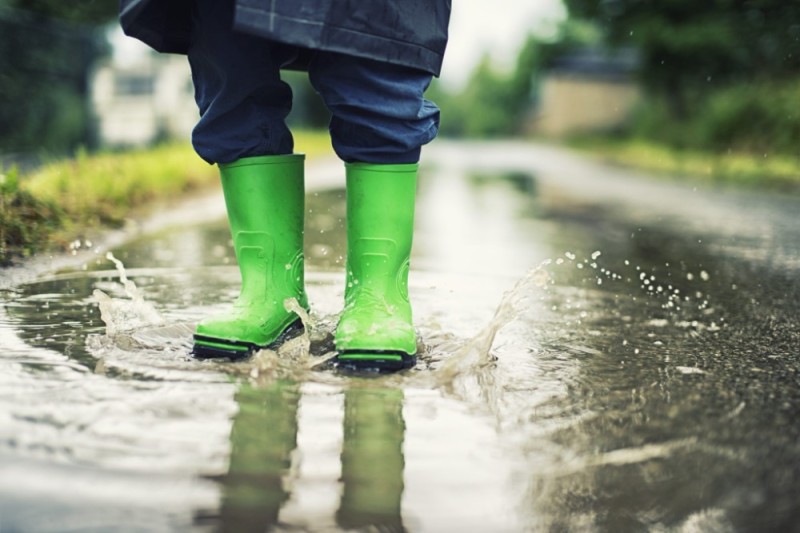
[(495, 103), (486, 105), (46, 51), (688, 47), (87, 11)]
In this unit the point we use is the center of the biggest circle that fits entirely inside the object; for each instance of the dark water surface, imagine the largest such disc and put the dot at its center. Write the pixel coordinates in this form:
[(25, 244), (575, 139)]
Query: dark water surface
[(601, 352)]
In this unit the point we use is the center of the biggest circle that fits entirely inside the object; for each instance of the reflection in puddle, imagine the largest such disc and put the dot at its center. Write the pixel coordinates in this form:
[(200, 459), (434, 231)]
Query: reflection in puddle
[(585, 394)]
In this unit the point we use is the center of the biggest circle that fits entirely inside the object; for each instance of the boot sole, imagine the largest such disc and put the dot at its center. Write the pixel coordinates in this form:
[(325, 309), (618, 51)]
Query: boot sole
[(374, 361), (206, 347)]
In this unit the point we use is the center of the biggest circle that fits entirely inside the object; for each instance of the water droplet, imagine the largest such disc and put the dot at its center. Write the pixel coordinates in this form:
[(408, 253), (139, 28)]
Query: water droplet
[(704, 275)]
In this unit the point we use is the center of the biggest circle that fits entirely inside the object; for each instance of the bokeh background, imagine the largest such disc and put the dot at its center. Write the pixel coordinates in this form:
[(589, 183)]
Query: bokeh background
[(699, 91), (719, 75)]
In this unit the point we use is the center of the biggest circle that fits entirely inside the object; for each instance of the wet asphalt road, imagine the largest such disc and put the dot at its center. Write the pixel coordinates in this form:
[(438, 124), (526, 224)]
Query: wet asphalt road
[(646, 377)]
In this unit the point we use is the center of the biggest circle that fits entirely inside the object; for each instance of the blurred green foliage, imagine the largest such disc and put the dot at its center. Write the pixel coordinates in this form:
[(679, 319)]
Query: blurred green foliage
[(24, 219), (718, 75), (86, 11), (495, 103), (46, 51), (55, 202), (762, 170), (689, 48), (759, 117)]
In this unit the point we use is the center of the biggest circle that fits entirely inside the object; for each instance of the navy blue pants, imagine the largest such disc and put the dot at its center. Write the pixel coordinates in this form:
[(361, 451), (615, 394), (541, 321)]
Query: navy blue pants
[(379, 114)]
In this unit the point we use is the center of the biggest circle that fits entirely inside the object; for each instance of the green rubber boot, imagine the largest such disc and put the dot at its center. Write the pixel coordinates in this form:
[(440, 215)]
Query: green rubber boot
[(375, 330), (265, 201)]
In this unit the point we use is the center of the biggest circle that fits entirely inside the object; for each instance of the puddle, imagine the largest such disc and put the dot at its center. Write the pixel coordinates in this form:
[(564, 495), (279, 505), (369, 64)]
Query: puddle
[(581, 365)]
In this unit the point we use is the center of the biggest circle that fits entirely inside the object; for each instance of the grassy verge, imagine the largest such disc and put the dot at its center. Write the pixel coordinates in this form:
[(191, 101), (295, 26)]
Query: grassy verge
[(766, 171), (52, 205)]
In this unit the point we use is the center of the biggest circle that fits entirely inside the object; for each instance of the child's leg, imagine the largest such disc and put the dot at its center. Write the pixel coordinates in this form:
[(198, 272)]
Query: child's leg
[(243, 104), (380, 121), (379, 112)]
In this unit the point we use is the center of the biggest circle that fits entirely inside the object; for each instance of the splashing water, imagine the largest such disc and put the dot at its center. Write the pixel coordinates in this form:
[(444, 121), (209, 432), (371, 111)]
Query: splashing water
[(125, 315), (476, 355), (138, 340), (292, 358)]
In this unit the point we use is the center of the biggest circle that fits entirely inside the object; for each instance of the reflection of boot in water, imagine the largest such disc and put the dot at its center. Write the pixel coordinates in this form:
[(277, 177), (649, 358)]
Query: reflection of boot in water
[(263, 437), (372, 460)]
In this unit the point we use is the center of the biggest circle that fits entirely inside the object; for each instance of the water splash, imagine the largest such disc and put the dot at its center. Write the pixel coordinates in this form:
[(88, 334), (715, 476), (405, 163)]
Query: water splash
[(139, 340), (292, 359), (475, 356), (125, 315)]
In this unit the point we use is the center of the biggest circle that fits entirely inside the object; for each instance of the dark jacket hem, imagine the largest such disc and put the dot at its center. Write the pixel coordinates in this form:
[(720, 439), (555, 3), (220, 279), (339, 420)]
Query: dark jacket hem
[(158, 29), (311, 34)]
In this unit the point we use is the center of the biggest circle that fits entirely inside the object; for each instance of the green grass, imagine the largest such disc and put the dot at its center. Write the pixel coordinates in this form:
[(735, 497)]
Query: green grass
[(776, 172), (49, 207)]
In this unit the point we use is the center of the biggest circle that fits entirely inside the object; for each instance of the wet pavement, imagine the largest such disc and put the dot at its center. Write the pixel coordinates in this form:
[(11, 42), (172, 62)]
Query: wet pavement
[(602, 352)]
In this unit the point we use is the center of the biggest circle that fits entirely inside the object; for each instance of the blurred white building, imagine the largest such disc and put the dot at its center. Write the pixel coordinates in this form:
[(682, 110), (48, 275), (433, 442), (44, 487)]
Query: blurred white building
[(146, 98), (586, 91)]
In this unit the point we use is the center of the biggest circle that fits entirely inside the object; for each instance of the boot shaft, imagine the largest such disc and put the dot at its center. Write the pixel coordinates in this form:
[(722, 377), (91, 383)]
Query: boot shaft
[(265, 200), (380, 226), (375, 329), (266, 193)]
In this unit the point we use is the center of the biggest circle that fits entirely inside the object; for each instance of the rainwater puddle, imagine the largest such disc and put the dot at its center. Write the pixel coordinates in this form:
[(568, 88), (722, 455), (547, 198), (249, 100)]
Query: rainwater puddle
[(582, 368)]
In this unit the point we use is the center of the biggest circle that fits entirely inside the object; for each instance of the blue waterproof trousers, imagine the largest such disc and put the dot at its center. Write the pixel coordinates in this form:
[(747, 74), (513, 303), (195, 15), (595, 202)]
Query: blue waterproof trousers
[(379, 114)]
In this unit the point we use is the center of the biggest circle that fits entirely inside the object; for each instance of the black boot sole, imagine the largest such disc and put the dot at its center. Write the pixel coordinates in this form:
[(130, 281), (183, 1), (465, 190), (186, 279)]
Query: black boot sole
[(374, 361), (206, 347)]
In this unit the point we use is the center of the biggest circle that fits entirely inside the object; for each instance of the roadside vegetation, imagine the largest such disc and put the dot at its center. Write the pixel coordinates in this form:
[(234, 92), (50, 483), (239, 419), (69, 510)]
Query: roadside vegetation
[(719, 81), (49, 207), (767, 171), (719, 84)]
